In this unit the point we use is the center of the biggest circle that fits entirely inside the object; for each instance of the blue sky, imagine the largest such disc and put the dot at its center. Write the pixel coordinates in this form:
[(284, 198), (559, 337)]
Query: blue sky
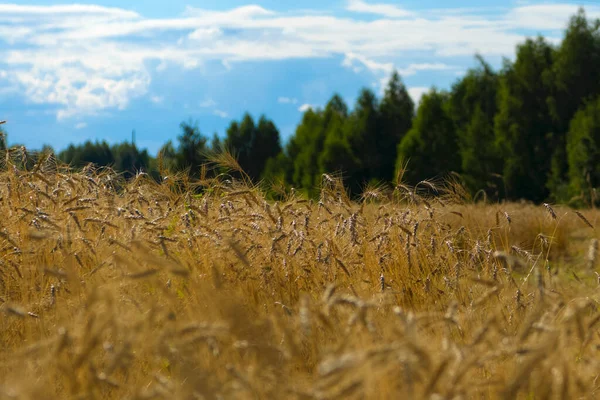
[(99, 69)]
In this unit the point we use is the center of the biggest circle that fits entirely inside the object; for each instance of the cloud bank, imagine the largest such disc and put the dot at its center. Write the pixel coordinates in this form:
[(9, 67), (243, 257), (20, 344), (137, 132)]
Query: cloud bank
[(86, 59)]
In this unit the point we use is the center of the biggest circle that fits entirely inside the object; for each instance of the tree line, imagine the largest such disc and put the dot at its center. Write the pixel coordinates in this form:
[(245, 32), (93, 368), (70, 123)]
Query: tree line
[(530, 130)]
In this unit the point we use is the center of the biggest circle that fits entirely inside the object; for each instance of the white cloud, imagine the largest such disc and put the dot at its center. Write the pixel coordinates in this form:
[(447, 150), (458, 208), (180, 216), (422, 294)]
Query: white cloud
[(209, 102), (157, 99), (305, 107), (79, 91), (387, 10), (414, 68), (547, 16), (85, 59), (190, 63), (416, 93), (351, 59), (384, 70), (162, 66), (7, 10), (226, 64), (81, 125), (287, 100), (205, 34), (220, 113), (249, 11)]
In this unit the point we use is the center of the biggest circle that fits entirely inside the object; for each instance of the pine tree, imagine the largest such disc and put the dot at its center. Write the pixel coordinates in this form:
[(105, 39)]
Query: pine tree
[(576, 78), (266, 146), (396, 112), (337, 156), (191, 151), (473, 108), (583, 152), (306, 148), (129, 159), (253, 144), (430, 146), (524, 127), (98, 153), (361, 134)]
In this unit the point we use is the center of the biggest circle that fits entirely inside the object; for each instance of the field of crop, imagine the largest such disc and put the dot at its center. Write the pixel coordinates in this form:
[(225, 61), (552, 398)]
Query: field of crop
[(142, 290)]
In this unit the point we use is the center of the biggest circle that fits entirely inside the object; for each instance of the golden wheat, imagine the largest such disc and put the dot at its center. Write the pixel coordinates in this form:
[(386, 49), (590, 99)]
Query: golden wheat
[(143, 290)]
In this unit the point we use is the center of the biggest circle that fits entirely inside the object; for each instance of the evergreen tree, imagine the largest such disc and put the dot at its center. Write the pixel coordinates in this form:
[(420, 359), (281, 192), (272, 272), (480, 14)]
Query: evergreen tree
[(278, 169), (3, 139), (396, 111), (430, 146), (98, 153), (304, 149), (576, 70), (523, 126), (253, 144), (337, 155), (191, 152), (306, 146), (473, 108), (583, 151), (239, 139), (216, 144), (266, 146), (129, 159), (576, 77), (362, 136)]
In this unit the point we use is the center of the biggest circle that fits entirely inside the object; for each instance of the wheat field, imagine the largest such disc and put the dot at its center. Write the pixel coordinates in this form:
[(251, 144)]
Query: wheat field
[(145, 290)]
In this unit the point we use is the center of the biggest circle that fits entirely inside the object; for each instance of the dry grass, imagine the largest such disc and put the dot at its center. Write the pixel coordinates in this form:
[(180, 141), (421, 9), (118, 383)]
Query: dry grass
[(113, 290)]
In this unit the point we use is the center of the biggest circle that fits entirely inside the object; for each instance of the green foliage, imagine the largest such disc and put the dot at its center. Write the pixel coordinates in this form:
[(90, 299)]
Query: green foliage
[(524, 127), (360, 146), (338, 157), (362, 134), (430, 146), (576, 76), (473, 107), (304, 149), (124, 157), (277, 169), (583, 152), (576, 71), (266, 145), (3, 139), (253, 145), (216, 144), (396, 113), (98, 153), (191, 153), (129, 159), (344, 136)]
